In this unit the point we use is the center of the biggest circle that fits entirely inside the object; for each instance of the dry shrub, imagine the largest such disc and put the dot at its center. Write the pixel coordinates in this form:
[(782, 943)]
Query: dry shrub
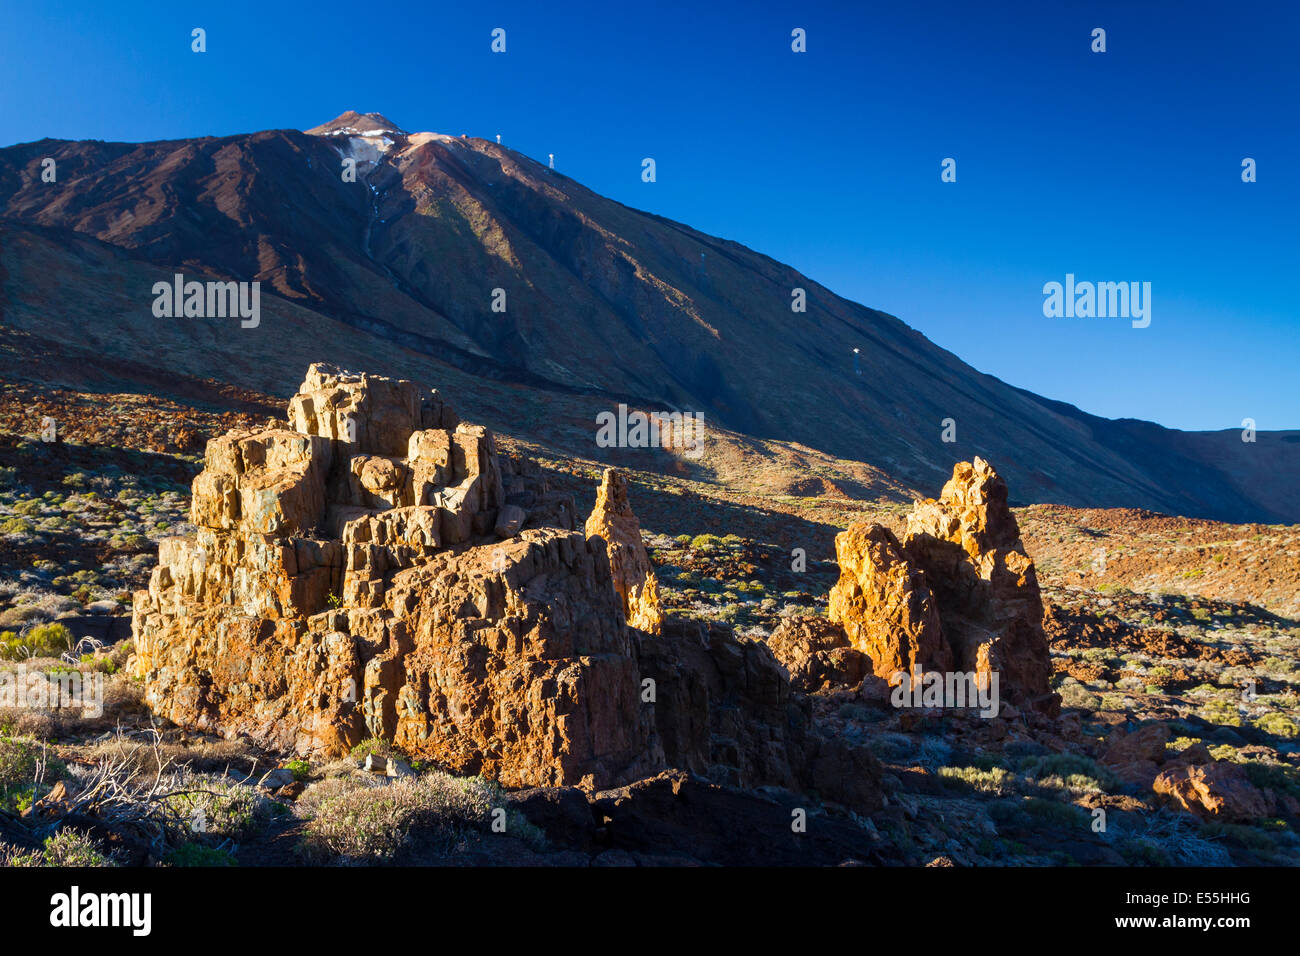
[(360, 820)]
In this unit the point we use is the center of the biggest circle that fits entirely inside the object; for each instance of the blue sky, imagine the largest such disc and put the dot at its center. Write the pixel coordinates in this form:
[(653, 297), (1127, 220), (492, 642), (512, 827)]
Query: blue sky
[(1122, 166)]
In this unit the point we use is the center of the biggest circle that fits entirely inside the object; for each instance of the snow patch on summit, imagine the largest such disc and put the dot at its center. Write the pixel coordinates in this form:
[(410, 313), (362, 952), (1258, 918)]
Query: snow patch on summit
[(364, 148), (419, 139)]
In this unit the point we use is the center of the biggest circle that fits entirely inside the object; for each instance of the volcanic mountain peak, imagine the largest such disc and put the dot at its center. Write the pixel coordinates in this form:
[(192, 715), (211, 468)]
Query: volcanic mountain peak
[(353, 123), (366, 136), (605, 302)]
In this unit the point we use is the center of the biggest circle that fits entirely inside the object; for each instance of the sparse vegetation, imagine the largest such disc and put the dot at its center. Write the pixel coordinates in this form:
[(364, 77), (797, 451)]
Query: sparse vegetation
[(355, 820)]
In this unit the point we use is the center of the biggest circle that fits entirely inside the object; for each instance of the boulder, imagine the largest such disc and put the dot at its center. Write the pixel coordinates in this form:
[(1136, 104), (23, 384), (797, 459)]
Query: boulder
[(562, 813), (1219, 790), (509, 520), (277, 778), (681, 816), (520, 669), (1147, 742), (1136, 756), (724, 709)]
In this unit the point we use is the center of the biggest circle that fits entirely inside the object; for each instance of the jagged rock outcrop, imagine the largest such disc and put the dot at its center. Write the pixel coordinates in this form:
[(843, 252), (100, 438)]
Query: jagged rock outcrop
[(377, 569), (959, 592), (347, 581), (613, 521)]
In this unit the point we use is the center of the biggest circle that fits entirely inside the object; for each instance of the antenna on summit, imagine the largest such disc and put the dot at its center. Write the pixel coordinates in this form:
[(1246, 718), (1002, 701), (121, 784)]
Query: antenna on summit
[(498, 139), (552, 155), (856, 367)]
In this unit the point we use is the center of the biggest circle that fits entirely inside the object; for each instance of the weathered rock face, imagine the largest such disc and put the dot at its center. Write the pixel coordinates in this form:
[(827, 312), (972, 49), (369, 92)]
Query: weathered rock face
[(347, 581), (613, 522), (817, 654), (959, 592), (524, 674), (884, 604)]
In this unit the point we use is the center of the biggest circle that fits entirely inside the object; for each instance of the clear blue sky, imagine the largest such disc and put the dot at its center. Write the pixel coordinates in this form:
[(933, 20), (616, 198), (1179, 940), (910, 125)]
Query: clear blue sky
[(1115, 166)]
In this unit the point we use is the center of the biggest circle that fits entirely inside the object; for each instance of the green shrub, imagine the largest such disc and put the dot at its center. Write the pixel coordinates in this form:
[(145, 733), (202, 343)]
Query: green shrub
[(372, 745), (994, 780), (19, 759), (1272, 776), (1076, 695), (65, 848), (1235, 833), (196, 854), (1279, 725), (1139, 851), (1078, 772), (1222, 712), (1054, 813), (44, 640)]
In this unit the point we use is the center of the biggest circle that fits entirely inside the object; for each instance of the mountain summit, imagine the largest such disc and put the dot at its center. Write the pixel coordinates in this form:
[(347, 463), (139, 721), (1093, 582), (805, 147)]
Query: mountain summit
[(457, 257), (353, 123)]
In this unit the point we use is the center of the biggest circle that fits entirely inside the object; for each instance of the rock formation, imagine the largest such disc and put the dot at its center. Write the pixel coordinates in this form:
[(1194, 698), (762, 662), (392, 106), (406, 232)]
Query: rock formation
[(347, 581), (376, 569), (959, 592), (614, 523)]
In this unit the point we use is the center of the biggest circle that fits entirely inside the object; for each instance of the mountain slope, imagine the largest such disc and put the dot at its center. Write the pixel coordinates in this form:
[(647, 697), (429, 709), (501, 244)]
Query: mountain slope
[(602, 302)]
